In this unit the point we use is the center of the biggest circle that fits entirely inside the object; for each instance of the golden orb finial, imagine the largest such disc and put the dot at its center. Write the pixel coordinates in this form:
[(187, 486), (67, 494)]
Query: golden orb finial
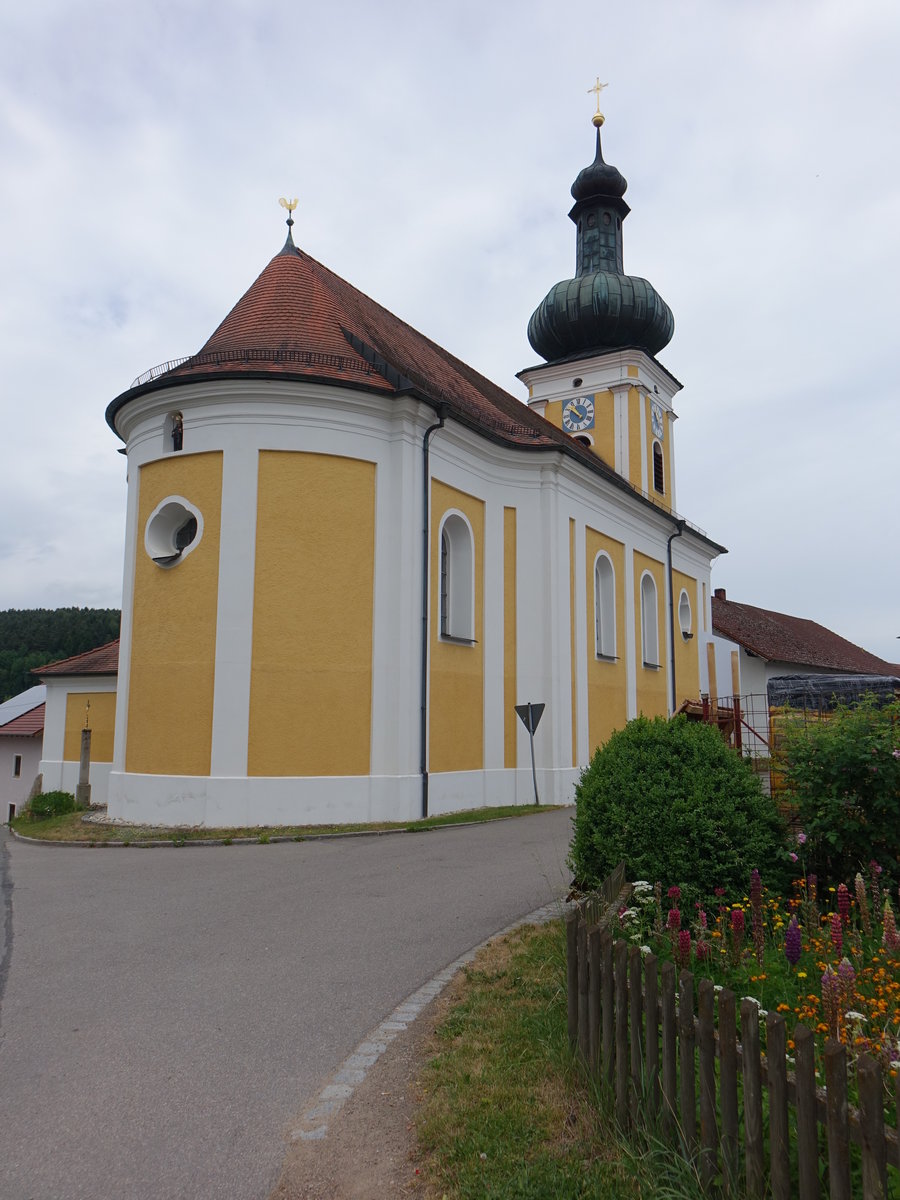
[(598, 118)]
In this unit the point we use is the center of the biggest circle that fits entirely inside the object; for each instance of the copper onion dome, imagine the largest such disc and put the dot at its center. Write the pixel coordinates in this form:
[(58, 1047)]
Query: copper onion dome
[(602, 308)]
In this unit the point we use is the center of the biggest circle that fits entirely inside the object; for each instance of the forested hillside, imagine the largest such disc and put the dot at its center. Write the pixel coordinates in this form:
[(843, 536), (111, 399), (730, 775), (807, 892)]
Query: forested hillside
[(30, 637)]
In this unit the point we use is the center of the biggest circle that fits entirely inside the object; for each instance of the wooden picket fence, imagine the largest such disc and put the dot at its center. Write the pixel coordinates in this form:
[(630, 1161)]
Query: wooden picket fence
[(635, 1027)]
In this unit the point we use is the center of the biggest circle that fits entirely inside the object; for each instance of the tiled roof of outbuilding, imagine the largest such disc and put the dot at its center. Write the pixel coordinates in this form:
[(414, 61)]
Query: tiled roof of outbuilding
[(29, 724), (103, 660), (778, 637)]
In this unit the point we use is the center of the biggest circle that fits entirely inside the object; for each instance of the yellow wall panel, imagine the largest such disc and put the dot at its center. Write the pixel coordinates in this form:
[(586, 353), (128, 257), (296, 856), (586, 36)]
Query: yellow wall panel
[(314, 586), (572, 635), (102, 720), (604, 430), (173, 641), (607, 695), (635, 425), (456, 705), (652, 683), (687, 653), (510, 720), (553, 413)]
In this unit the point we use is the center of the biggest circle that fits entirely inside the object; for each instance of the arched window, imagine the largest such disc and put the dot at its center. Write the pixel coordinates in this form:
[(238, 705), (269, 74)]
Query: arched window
[(649, 621), (604, 607), (685, 617), (457, 582), (659, 477)]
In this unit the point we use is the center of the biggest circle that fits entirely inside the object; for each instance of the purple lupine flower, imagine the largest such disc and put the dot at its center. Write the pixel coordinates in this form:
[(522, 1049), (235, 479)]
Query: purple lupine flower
[(674, 919), (837, 933), (801, 838), (843, 901), (862, 904), (793, 942), (684, 949)]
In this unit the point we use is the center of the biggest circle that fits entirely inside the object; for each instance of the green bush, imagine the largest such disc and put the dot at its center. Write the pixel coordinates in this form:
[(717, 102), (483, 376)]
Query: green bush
[(842, 772), (51, 804), (679, 807)]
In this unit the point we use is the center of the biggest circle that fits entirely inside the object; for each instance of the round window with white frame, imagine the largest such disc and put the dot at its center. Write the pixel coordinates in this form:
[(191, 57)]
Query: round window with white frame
[(685, 616), (173, 531)]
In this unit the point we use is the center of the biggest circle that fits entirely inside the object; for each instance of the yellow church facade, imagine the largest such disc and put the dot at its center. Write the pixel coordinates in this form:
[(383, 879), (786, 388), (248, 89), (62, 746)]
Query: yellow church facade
[(349, 557)]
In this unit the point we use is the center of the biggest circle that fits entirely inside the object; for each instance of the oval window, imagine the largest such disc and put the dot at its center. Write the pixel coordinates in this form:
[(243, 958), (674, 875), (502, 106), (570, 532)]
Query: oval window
[(173, 531)]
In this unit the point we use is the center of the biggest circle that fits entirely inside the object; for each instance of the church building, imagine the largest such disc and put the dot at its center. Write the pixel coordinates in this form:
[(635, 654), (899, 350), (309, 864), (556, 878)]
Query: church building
[(349, 556)]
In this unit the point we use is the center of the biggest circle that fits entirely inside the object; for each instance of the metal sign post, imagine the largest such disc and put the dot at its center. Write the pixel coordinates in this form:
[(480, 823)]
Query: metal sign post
[(530, 716)]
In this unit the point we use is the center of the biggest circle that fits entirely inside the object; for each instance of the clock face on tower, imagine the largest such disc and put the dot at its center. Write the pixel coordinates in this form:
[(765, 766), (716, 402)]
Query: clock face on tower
[(656, 419), (578, 414)]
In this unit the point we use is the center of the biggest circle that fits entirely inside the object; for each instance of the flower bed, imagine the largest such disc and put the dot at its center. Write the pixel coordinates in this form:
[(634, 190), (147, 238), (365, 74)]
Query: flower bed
[(830, 960)]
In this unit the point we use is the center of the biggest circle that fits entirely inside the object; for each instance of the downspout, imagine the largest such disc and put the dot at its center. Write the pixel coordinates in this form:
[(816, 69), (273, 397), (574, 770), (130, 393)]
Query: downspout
[(423, 706), (678, 532)]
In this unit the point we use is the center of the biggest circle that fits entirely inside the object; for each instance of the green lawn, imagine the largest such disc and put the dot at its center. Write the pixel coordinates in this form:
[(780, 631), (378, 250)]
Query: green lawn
[(506, 1112), (71, 828)]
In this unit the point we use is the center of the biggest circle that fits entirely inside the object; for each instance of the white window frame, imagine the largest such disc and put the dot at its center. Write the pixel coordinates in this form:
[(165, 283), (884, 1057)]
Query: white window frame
[(459, 600), (649, 628), (685, 615), (604, 607)]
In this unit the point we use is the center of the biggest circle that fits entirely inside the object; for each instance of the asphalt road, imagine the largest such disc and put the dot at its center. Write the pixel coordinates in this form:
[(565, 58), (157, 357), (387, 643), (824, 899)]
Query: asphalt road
[(164, 1014)]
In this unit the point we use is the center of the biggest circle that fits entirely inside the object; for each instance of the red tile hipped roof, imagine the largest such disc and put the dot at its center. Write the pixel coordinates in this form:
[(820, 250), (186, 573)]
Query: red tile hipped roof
[(29, 724), (778, 637), (300, 320), (104, 660)]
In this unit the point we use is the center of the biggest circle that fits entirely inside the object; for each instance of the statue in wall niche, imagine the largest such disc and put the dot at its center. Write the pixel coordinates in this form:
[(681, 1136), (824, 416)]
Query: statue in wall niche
[(177, 431)]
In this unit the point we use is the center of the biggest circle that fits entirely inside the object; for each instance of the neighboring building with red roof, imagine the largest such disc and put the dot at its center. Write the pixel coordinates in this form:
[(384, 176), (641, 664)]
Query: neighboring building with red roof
[(21, 732), (771, 645), (349, 556), (79, 690)]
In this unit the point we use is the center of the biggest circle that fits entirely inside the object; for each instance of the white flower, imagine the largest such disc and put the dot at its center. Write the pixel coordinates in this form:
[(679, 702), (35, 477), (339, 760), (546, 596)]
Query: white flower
[(646, 950), (855, 1016), (753, 998), (641, 885)]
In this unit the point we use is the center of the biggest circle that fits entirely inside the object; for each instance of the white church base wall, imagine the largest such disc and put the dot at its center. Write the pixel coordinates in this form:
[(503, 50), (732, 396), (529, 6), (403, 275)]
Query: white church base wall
[(239, 802), (63, 777)]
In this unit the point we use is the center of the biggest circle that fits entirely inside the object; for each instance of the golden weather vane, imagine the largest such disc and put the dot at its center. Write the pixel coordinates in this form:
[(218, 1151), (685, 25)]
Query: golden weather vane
[(290, 205), (598, 87)]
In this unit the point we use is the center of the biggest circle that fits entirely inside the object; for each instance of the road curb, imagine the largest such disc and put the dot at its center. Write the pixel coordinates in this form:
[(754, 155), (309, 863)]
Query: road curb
[(312, 1124)]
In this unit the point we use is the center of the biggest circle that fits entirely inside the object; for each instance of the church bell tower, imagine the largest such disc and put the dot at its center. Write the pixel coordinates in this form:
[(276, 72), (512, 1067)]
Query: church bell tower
[(598, 333)]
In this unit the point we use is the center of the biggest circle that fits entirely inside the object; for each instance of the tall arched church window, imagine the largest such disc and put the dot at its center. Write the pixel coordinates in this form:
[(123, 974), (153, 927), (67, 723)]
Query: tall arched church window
[(649, 622), (457, 579), (659, 477), (604, 607)]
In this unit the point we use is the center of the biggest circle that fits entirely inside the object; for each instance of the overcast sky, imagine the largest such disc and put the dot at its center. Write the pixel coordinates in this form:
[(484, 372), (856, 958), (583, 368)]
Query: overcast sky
[(143, 148)]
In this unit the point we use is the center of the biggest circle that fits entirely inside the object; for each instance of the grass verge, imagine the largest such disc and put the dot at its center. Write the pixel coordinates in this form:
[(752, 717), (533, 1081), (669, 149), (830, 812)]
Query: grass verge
[(71, 828), (506, 1112)]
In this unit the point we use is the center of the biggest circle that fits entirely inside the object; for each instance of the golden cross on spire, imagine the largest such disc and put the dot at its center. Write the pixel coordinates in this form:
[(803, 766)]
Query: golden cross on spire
[(598, 87)]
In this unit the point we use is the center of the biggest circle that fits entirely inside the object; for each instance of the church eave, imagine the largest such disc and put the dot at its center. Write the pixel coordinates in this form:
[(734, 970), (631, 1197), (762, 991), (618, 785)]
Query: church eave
[(185, 381)]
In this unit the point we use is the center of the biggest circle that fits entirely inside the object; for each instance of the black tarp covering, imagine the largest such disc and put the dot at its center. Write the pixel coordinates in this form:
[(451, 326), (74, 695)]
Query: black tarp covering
[(822, 692)]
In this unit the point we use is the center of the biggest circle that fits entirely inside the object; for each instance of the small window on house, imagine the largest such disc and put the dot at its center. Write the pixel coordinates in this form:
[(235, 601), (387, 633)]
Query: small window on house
[(605, 607), (685, 616), (457, 579), (17, 766), (649, 622), (659, 479)]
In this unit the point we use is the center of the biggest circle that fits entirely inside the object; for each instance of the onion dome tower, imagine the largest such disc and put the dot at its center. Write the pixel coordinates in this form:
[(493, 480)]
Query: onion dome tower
[(602, 308)]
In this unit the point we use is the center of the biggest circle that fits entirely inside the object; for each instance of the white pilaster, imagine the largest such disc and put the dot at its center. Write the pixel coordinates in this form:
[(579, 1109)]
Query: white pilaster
[(234, 614)]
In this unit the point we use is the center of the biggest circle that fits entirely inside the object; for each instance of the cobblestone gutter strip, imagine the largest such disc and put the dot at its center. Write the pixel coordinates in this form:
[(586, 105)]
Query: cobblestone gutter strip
[(312, 1124)]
